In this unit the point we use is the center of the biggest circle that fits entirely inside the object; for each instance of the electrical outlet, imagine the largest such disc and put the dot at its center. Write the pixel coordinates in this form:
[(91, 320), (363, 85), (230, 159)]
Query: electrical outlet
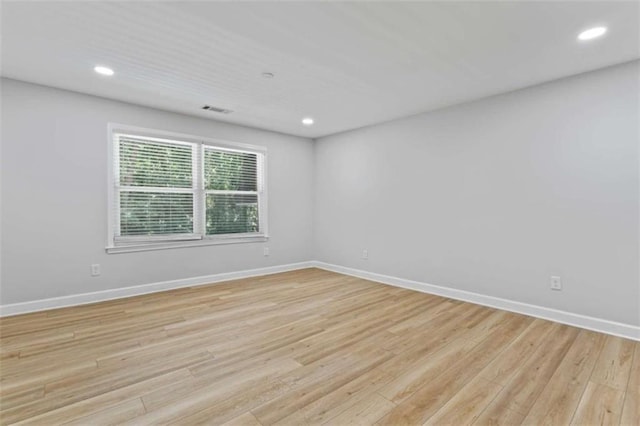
[(95, 269), (265, 251), (555, 283), (365, 254)]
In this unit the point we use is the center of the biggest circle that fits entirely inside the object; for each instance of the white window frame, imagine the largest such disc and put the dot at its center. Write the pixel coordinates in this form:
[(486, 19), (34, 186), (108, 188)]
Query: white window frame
[(117, 244)]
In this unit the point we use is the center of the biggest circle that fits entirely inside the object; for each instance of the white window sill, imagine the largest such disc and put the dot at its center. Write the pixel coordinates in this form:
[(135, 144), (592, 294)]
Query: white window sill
[(164, 245)]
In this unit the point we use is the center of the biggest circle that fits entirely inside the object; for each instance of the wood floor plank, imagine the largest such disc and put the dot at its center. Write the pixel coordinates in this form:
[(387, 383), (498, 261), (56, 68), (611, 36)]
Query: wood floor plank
[(308, 347), (434, 393), (495, 415), (631, 409), (305, 391), (524, 387), (16, 398), (217, 402), (246, 419), (30, 378), (634, 373), (334, 403), (89, 406), (560, 397), (443, 328), (112, 416), (366, 412), (600, 405), (467, 405), (614, 365), (501, 369), (406, 384), (268, 369)]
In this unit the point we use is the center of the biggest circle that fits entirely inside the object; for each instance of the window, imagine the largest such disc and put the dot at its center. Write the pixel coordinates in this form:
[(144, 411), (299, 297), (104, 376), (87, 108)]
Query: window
[(171, 190)]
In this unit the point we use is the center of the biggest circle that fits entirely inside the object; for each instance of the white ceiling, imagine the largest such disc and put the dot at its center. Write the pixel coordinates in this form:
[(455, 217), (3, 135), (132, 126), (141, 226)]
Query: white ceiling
[(345, 64)]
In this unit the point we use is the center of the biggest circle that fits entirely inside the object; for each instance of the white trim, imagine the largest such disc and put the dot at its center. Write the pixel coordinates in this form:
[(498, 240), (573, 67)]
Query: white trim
[(228, 192), (207, 241), (627, 331), (118, 293), (263, 208), (158, 189), (199, 195), (113, 220), (184, 137)]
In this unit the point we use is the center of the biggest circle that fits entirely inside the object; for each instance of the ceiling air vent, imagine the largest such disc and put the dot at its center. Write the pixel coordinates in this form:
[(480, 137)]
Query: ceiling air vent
[(216, 109)]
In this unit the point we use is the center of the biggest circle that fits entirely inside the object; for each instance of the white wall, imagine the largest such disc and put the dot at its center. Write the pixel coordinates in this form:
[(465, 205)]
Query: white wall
[(54, 200), (495, 196), (491, 197)]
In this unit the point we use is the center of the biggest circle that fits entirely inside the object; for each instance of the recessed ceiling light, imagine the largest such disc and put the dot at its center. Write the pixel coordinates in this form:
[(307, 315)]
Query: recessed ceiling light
[(592, 33), (267, 75), (103, 70), (307, 121)]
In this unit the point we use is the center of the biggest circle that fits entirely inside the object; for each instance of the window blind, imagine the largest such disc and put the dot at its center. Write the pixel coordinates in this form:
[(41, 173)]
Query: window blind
[(231, 187), (155, 189)]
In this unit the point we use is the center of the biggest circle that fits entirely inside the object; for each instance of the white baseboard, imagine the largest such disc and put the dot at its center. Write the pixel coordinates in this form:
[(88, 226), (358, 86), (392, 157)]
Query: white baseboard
[(596, 324), (590, 323), (118, 293)]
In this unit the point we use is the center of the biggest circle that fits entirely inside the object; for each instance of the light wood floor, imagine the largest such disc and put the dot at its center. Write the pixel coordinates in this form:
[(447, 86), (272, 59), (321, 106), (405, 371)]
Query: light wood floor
[(309, 347)]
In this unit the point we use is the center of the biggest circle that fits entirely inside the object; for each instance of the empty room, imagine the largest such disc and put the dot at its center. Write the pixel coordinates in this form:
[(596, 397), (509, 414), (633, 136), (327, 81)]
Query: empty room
[(320, 213)]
